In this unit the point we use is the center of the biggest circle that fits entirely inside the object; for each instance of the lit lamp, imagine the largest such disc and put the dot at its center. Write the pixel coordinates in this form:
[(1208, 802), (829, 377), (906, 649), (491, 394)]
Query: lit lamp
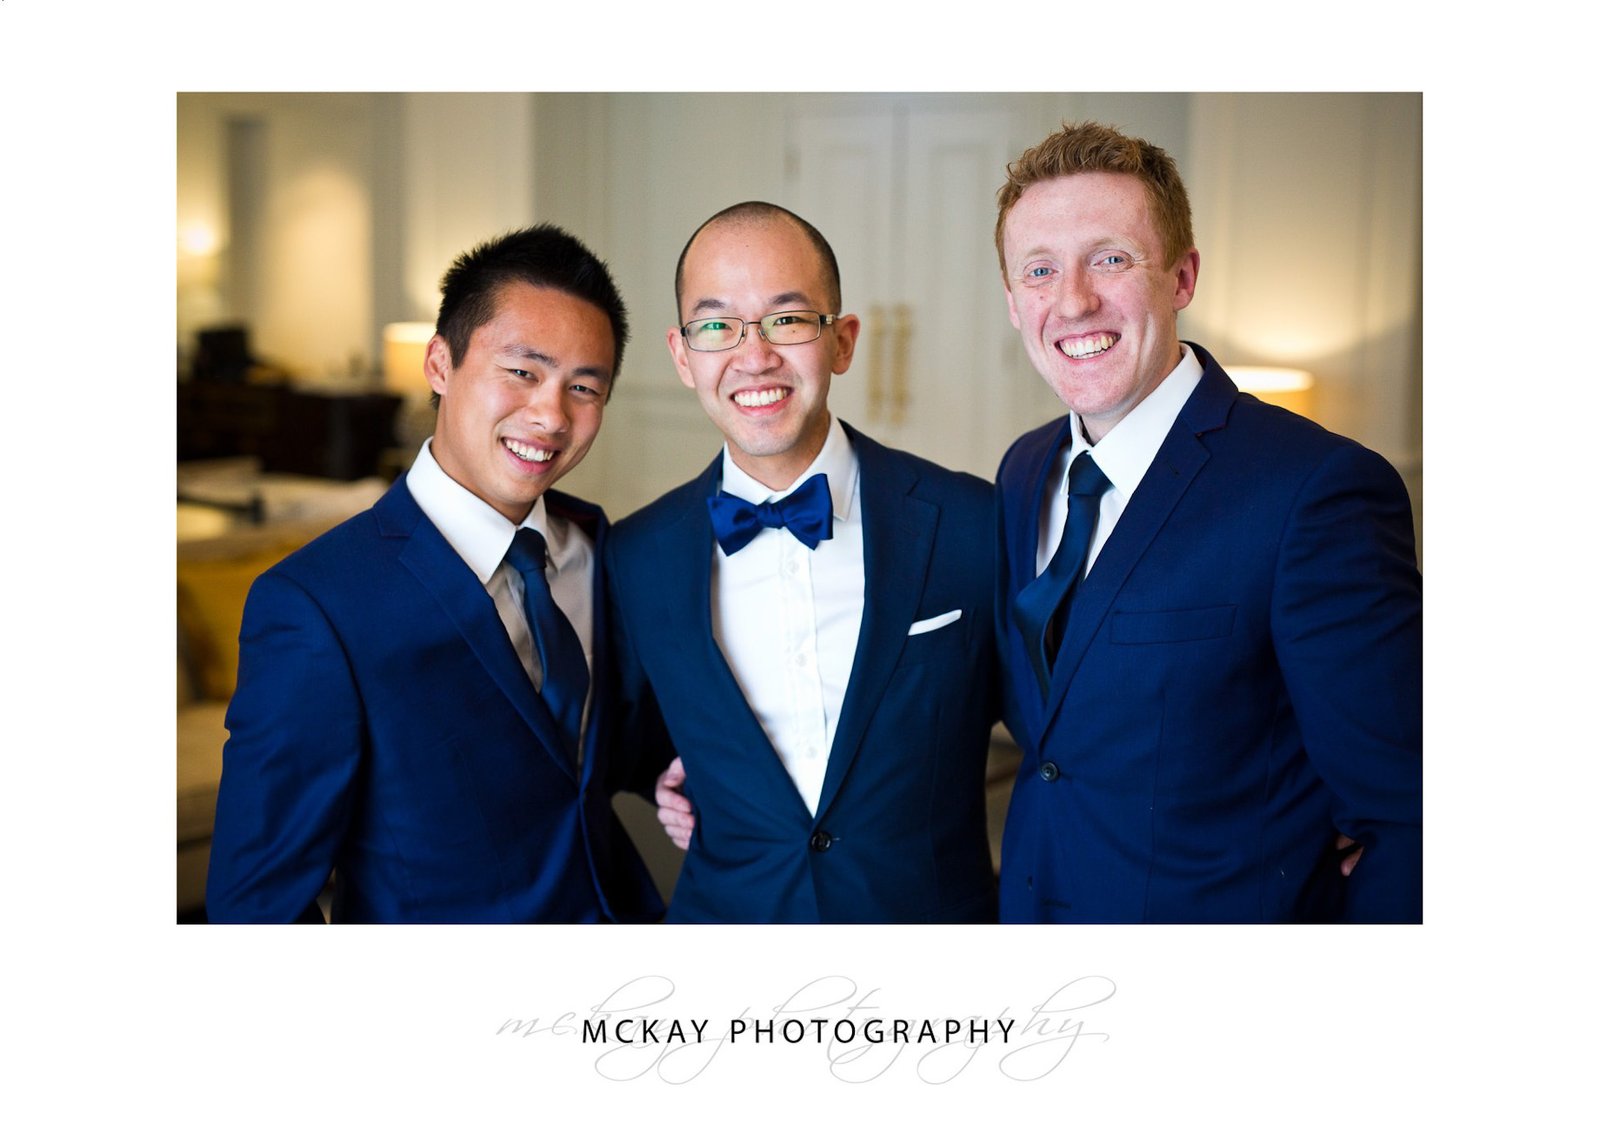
[(405, 347), (1289, 388)]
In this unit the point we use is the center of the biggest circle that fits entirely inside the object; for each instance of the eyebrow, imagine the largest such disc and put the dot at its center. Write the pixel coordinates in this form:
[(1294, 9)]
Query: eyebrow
[(1104, 241), (779, 301), (529, 353)]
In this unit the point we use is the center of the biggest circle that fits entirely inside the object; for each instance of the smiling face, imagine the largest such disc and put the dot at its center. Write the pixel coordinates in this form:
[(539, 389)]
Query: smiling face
[(769, 401), (1088, 290), (524, 404)]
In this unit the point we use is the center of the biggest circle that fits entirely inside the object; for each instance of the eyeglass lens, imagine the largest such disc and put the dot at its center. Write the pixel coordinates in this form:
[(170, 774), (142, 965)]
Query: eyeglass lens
[(790, 327)]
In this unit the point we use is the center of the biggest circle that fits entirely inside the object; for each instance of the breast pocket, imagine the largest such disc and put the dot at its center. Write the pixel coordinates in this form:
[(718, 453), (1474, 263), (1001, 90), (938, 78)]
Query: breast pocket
[(941, 634), (1135, 627)]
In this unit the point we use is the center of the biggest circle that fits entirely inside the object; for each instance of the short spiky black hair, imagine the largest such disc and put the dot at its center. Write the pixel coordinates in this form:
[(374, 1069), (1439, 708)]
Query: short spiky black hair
[(544, 256)]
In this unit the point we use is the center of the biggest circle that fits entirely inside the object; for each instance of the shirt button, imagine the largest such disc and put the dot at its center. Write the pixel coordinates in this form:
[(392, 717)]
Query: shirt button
[(821, 841), (1049, 771)]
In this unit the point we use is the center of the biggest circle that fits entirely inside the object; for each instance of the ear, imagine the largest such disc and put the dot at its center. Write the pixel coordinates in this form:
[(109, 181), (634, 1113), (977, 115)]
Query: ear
[(1188, 271), (680, 356), (846, 332), (436, 364)]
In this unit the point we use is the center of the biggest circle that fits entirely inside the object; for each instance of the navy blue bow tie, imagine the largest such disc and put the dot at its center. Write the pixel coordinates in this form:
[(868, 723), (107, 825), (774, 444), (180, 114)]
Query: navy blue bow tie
[(807, 512)]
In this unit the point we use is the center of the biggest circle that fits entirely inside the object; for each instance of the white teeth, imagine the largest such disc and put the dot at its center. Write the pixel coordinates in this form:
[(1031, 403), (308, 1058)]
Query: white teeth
[(1080, 347), (759, 398), (524, 452)]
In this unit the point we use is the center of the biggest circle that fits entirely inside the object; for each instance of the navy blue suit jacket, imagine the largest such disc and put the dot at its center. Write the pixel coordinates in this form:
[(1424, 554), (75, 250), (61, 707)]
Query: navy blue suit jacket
[(383, 726), (900, 831), (1239, 682)]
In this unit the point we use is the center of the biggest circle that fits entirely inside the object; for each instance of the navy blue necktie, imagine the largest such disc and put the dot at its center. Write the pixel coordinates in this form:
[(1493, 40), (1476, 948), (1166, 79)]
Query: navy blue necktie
[(566, 674), (807, 512), (1040, 607)]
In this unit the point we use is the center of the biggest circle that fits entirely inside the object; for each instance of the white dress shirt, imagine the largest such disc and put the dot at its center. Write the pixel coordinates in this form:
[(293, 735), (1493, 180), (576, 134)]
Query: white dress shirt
[(787, 618), (1124, 454), (482, 536)]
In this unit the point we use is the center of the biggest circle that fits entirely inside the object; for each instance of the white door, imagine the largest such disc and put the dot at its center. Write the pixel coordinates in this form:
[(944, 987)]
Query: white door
[(905, 195)]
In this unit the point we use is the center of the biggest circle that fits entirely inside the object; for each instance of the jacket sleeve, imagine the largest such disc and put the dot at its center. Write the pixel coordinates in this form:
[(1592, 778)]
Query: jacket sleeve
[(292, 759), (641, 746), (1347, 630)]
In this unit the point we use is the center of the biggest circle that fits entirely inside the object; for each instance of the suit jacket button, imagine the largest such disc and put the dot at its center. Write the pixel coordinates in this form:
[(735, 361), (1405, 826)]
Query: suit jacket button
[(821, 841), (1049, 771)]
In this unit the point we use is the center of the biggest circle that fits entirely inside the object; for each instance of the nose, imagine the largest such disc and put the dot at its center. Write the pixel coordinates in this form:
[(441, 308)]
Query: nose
[(755, 353), (546, 406), (1075, 294)]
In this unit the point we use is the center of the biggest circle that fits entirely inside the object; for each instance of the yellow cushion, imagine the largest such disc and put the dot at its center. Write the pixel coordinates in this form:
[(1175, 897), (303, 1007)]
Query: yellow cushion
[(211, 594)]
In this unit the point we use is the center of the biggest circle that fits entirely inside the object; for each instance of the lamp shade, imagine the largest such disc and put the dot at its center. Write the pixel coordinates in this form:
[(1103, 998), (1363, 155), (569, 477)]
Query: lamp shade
[(405, 347), (1288, 388)]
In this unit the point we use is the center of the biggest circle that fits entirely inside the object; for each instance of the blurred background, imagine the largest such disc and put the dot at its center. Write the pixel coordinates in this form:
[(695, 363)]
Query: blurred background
[(312, 230)]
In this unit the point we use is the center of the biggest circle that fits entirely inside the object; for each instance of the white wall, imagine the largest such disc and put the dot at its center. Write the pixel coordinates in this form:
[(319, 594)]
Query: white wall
[(467, 176), (350, 209), (291, 228), (1308, 215)]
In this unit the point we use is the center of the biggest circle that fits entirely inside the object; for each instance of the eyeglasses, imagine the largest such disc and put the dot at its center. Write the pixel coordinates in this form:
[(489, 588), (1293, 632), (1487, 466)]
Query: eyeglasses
[(791, 327)]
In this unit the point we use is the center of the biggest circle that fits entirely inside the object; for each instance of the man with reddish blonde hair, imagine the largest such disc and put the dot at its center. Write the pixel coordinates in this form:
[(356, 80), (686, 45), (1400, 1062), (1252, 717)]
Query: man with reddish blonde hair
[(1210, 613)]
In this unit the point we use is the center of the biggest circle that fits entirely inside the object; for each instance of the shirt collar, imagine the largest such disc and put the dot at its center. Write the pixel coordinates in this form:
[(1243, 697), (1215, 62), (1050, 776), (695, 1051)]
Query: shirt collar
[(1126, 452), (478, 533), (837, 461)]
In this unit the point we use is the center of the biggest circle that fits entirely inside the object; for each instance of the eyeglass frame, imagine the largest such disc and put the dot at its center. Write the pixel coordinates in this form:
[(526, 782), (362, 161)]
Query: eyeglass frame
[(823, 321)]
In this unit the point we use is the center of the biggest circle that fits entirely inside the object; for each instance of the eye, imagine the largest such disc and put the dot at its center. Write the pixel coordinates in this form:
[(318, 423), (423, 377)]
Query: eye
[(1037, 273), (1115, 260), (712, 325), (521, 374)]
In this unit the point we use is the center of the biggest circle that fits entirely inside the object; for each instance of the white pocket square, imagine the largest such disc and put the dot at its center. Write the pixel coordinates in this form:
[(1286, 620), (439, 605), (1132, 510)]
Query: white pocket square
[(923, 626)]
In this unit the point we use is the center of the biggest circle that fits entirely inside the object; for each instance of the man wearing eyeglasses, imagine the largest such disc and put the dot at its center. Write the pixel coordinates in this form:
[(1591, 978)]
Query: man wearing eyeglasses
[(808, 623)]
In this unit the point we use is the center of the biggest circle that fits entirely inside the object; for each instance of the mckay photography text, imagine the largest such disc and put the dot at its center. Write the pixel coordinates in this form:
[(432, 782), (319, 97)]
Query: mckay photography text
[(645, 1028)]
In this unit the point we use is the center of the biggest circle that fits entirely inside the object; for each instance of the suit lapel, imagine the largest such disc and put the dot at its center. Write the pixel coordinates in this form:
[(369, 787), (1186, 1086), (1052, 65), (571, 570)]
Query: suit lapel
[(1024, 554), (1177, 462), (1022, 557), (429, 556), (683, 550), (897, 542)]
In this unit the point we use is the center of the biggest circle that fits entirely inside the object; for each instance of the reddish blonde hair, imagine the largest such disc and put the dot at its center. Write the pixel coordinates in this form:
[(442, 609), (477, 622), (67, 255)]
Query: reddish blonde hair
[(1086, 148)]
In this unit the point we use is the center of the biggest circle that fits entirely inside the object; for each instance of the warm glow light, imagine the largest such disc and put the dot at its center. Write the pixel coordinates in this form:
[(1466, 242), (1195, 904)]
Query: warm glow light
[(405, 346), (1289, 388), (197, 240)]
